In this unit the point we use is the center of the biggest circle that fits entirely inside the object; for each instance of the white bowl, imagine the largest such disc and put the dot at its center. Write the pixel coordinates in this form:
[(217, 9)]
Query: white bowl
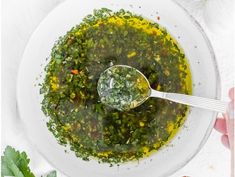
[(186, 143)]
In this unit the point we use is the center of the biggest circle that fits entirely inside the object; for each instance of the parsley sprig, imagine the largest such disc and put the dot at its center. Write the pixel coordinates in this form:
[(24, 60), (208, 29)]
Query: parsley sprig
[(15, 163)]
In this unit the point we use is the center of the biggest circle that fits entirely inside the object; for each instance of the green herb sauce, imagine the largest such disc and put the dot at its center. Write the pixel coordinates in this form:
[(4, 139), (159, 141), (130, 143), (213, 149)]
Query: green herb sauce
[(122, 87), (75, 113)]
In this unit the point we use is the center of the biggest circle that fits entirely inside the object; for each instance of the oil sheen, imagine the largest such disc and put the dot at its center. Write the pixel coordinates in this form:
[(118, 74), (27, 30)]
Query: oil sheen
[(78, 118)]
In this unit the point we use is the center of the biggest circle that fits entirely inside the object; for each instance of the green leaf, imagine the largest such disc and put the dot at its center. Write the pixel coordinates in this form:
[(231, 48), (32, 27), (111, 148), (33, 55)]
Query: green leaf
[(15, 170), (15, 163), (52, 174), (5, 170)]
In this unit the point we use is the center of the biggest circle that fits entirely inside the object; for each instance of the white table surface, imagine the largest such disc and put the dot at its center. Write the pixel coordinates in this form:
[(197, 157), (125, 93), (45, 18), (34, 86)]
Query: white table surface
[(19, 20)]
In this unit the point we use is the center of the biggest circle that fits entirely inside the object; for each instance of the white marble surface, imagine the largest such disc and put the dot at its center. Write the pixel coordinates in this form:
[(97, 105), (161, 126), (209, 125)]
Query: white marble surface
[(19, 20)]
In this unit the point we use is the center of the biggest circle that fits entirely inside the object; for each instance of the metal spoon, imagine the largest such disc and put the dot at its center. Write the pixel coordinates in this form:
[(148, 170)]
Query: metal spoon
[(116, 84)]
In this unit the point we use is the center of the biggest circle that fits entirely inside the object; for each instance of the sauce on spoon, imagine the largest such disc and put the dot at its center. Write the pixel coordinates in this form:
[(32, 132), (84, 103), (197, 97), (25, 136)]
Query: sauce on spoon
[(123, 87)]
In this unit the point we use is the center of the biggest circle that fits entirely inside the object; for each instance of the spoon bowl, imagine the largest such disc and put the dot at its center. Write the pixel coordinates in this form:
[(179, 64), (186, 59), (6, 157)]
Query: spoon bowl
[(123, 87)]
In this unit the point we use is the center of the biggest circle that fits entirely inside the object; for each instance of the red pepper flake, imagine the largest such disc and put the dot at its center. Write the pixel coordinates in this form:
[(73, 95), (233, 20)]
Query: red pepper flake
[(74, 71), (158, 17)]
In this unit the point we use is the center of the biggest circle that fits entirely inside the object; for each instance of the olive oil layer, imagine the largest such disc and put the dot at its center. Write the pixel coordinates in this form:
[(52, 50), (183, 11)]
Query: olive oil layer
[(76, 116)]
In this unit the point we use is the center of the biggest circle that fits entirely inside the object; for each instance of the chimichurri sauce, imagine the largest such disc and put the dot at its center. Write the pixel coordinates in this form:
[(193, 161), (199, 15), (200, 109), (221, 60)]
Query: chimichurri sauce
[(75, 113), (123, 87)]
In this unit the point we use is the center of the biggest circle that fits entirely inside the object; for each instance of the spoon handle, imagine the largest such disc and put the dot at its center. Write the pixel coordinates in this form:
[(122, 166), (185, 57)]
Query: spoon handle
[(200, 102)]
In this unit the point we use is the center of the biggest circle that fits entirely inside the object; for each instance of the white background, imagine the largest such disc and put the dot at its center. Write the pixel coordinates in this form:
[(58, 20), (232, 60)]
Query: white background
[(21, 17)]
